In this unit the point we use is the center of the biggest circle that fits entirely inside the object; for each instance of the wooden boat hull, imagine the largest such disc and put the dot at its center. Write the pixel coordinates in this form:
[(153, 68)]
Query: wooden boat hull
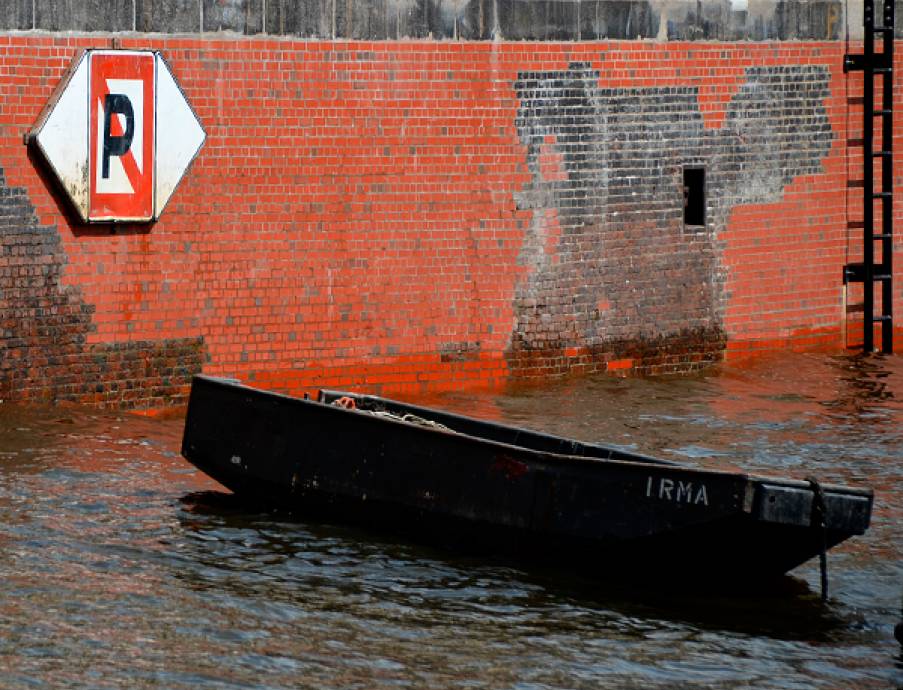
[(489, 487)]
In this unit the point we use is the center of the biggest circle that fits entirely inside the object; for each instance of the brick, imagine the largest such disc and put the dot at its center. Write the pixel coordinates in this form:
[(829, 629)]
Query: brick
[(418, 215)]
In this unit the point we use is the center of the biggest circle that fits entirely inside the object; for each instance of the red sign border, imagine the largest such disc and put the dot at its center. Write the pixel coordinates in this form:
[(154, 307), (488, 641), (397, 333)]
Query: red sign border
[(102, 65)]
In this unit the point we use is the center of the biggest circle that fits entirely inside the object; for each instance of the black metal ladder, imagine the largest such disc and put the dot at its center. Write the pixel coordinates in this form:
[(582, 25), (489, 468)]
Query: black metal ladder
[(875, 66)]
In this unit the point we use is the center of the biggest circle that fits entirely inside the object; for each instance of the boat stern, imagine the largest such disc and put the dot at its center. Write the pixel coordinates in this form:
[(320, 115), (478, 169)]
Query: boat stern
[(843, 510)]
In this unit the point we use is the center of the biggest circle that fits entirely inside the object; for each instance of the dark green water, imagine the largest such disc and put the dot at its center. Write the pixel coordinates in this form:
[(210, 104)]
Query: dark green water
[(117, 573)]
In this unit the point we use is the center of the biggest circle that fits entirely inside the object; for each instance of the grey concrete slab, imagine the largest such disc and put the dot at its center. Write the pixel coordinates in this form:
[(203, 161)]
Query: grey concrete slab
[(16, 14), (168, 16), (242, 16), (84, 15), (305, 18)]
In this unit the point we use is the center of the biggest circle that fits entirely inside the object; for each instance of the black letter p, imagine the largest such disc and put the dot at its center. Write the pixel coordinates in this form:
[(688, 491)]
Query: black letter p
[(116, 145)]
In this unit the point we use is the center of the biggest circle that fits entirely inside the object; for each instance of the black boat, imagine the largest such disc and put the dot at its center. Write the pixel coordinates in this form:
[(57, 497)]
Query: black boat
[(457, 481)]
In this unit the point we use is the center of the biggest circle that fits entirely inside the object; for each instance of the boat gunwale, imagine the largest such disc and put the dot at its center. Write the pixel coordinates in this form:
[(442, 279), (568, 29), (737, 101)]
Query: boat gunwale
[(553, 458)]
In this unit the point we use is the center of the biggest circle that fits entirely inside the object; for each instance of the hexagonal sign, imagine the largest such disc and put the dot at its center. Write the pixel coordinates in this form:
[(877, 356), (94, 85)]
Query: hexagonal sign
[(119, 135)]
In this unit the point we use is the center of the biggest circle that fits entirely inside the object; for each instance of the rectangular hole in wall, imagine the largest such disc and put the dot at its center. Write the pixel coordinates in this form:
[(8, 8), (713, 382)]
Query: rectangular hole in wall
[(694, 196)]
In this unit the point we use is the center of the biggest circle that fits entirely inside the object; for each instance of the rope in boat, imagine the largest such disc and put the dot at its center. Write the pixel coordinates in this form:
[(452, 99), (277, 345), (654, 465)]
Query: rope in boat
[(349, 404), (409, 418), (818, 522)]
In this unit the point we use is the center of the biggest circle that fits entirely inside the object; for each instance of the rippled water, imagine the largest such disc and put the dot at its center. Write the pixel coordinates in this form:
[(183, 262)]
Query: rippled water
[(120, 568)]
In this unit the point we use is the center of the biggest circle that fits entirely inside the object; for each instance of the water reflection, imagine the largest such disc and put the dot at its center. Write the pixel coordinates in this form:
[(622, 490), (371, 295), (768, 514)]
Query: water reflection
[(123, 567), (789, 610), (866, 383)]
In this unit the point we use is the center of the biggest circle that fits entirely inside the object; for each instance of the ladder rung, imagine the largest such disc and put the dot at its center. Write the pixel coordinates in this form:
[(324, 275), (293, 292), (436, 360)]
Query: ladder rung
[(882, 154), (881, 195), (882, 29), (853, 63), (858, 277), (856, 273), (883, 236), (883, 111), (859, 62), (886, 318), (883, 70)]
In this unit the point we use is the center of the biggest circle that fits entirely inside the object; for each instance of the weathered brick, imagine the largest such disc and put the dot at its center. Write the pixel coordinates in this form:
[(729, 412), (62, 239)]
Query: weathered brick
[(422, 214)]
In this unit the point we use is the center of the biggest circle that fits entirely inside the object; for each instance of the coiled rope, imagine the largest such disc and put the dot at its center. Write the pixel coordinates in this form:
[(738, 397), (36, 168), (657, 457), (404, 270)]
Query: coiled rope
[(349, 404)]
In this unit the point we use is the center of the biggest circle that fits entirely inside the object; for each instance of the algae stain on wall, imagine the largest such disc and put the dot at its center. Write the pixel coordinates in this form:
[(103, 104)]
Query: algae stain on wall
[(611, 264)]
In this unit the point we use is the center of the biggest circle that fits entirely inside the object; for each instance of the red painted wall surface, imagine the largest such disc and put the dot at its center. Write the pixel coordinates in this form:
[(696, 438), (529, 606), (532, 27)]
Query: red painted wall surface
[(384, 215)]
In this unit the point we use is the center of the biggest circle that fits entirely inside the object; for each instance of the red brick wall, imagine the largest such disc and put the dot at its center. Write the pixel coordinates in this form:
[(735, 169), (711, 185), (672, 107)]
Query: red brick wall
[(411, 215)]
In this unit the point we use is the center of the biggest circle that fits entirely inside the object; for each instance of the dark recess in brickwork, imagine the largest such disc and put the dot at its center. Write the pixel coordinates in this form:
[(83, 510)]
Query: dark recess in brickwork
[(565, 20), (694, 195), (610, 264), (44, 354)]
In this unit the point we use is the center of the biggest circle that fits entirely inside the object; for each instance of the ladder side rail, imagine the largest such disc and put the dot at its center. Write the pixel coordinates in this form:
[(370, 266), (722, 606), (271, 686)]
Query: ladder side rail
[(868, 131), (887, 179)]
